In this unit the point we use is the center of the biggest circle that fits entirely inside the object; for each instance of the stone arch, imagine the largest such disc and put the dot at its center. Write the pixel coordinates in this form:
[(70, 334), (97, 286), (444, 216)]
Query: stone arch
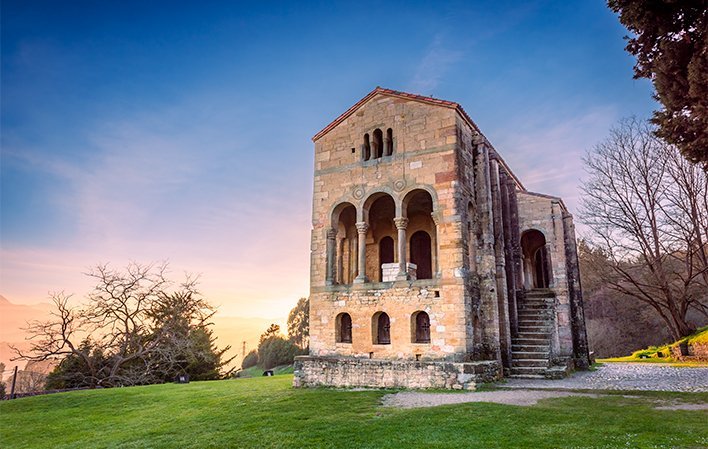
[(410, 193), (420, 327), (381, 329), (536, 260), (380, 211), (342, 245), (343, 328), (421, 231)]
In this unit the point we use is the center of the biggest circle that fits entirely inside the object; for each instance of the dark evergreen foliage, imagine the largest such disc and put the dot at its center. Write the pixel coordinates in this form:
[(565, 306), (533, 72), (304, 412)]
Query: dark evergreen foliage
[(299, 323), (671, 45), (250, 360)]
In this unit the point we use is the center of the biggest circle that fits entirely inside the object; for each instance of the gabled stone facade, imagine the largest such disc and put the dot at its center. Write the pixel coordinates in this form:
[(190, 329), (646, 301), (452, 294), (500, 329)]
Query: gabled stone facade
[(431, 265)]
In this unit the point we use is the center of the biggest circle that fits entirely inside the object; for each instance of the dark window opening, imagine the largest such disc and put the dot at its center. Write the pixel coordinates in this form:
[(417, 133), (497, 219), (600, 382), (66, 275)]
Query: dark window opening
[(385, 254), (389, 142), (422, 328), (366, 153), (540, 264), (377, 146), (344, 328), (382, 328), (421, 254)]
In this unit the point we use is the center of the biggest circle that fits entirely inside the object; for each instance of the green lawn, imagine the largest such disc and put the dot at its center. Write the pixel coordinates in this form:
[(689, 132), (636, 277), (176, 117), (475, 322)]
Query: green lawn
[(268, 413)]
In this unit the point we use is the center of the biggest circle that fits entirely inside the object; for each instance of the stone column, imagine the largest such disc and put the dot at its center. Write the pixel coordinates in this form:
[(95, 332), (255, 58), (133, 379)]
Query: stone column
[(361, 228), (401, 225), (339, 275), (331, 255), (436, 257)]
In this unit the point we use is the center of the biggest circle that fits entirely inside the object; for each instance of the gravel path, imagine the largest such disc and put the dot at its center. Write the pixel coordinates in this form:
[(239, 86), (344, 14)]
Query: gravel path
[(625, 376), (610, 376), (415, 399)]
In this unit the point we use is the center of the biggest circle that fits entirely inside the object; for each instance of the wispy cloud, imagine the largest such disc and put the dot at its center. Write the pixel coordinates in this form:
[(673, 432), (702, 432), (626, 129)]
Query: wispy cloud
[(177, 187), (546, 151), (435, 63)]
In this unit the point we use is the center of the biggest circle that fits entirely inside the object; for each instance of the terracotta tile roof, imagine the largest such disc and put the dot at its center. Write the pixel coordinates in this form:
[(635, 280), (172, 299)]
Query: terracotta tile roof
[(398, 94)]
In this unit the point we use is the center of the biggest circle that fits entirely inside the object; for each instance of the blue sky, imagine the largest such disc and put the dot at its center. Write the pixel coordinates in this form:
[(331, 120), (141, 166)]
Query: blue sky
[(181, 131)]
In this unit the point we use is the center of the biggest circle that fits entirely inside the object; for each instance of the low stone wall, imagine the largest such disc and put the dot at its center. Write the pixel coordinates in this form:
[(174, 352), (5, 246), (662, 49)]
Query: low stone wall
[(356, 372), (692, 352)]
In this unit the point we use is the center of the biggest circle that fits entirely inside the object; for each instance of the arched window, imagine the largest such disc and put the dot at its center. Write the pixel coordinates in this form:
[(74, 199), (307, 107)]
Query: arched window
[(421, 254), (385, 254), (420, 324), (366, 153), (343, 329), (389, 142), (381, 329), (377, 146)]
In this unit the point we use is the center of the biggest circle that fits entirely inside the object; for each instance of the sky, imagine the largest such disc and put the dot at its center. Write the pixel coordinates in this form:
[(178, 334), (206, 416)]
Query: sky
[(181, 131)]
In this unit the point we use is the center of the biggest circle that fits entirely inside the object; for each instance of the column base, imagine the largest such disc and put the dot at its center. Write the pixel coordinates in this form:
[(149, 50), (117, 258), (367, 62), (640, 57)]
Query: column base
[(360, 280)]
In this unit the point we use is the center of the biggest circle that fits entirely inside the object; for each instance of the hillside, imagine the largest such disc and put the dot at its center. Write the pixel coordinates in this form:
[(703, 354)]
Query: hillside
[(268, 413), (697, 344)]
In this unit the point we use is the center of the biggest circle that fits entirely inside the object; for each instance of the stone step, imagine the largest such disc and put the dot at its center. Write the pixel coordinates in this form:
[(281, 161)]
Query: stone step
[(528, 370), (529, 348), (529, 354), (530, 321), (535, 307), (534, 315), (540, 293), (527, 329), (527, 363), (527, 376), (531, 341), (534, 334)]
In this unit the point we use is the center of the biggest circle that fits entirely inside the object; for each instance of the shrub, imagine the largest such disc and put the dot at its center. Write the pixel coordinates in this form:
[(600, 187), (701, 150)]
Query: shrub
[(250, 360), (275, 351)]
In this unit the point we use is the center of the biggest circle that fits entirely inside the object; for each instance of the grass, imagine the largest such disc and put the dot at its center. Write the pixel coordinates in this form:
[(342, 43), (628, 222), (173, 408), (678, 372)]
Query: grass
[(662, 354), (265, 412), (257, 371)]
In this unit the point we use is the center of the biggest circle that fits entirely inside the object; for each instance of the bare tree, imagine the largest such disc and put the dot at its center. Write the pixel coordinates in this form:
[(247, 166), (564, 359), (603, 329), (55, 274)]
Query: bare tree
[(131, 331), (647, 210)]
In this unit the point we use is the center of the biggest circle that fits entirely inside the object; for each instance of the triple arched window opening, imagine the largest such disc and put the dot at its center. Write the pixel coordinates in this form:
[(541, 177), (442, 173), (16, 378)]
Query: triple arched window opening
[(384, 239), (377, 145), (381, 328)]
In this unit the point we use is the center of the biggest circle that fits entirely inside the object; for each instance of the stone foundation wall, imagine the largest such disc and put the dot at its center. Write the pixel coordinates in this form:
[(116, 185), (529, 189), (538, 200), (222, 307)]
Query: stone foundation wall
[(353, 372)]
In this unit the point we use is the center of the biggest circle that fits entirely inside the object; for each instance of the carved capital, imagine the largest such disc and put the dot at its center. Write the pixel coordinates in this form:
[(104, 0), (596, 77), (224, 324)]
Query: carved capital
[(331, 233), (401, 223), (362, 227)]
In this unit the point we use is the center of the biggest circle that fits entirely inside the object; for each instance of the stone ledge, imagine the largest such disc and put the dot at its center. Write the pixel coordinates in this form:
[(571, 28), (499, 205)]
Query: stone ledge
[(312, 371)]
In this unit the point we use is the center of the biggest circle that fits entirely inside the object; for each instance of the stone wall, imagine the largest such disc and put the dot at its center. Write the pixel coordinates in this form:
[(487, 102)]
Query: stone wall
[(400, 300), (355, 372)]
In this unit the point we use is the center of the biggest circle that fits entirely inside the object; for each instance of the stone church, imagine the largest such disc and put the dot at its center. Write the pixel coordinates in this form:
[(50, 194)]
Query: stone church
[(432, 266)]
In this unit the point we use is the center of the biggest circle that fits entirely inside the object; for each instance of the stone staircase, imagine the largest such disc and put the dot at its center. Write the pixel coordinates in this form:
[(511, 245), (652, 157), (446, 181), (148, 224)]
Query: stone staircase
[(531, 348)]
